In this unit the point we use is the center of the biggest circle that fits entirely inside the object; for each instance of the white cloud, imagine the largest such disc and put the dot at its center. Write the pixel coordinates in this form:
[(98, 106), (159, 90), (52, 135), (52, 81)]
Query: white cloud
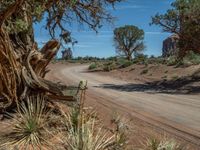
[(130, 7), (82, 46), (87, 44), (155, 33)]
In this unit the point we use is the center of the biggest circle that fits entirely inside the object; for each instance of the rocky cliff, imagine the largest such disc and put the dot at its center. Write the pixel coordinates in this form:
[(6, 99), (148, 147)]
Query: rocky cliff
[(170, 46), (67, 54)]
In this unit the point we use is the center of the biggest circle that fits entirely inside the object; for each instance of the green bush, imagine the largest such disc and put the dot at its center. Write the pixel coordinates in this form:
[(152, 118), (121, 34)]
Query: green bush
[(191, 58), (156, 60), (110, 66), (92, 66), (123, 63), (126, 64), (171, 61), (113, 58), (140, 58)]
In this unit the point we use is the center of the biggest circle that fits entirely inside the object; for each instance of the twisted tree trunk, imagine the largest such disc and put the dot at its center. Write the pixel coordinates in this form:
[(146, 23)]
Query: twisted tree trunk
[(23, 65)]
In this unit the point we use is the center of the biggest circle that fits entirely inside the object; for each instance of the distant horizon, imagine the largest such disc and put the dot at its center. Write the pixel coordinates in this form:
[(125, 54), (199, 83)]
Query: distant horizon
[(101, 45)]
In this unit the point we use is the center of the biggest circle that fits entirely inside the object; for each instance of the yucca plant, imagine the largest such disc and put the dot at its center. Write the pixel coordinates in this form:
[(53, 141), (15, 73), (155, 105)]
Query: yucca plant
[(81, 131), (29, 126), (165, 144), (120, 130)]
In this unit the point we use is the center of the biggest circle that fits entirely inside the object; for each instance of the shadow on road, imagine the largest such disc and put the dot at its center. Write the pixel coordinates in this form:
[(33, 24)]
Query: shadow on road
[(185, 85)]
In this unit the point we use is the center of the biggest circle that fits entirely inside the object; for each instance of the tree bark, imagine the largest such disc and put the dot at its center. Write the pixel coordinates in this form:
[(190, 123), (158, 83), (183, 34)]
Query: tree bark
[(129, 57), (23, 65)]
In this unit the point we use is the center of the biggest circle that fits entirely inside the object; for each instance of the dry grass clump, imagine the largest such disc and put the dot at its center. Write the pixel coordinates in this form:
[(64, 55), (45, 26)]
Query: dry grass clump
[(164, 144), (120, 130), (29, 126)]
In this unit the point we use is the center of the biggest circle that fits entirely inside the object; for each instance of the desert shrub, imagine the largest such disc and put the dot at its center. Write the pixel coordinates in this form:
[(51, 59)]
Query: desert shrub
[(171, 61), (107, 68), (82, 132), (110, 66), (113, 58), (140, 58), (29, 126), (120, 61), (127, 64), (79, 58), (120, 130), (72, 61), (156, 60), (123, 63), (92, 66), (105, 65), (191, 58), (145, 71), (165, 144)]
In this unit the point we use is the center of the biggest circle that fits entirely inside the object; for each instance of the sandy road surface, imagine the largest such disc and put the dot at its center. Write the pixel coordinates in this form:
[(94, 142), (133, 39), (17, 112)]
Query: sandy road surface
[(176, 114)]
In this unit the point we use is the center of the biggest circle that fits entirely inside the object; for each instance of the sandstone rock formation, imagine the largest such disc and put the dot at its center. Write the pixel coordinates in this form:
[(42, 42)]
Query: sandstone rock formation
[(170, 46), (67, 54)]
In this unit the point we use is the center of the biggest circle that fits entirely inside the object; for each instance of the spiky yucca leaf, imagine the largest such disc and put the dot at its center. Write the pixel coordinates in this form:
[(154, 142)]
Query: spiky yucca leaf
[(85, 135), (29, 126)]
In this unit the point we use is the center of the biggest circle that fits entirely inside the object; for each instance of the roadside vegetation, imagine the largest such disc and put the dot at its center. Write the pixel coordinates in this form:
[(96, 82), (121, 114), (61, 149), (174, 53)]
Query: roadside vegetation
[(140, 59)]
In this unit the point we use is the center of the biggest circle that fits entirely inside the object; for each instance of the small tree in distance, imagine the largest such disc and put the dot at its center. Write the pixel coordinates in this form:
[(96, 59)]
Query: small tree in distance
[(128, 39)]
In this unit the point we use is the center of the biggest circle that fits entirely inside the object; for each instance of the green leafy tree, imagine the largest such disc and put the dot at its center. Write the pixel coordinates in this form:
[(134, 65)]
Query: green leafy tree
[(128, 39), (182, 19), (22, 63)]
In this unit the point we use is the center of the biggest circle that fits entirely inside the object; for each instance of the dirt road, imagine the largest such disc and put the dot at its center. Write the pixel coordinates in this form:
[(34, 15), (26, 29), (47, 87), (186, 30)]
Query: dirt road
[(176, 114)]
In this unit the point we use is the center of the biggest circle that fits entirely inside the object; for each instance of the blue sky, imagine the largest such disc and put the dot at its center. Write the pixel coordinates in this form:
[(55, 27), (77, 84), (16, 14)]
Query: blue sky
[(130, 12)]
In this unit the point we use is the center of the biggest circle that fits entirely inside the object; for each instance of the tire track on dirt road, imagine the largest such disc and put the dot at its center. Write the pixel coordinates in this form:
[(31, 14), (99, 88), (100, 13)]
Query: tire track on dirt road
[(176, 114)]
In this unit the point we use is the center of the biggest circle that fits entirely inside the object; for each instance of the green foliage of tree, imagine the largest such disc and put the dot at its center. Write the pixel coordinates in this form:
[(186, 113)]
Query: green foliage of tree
[(128, 39), (182, 19), (59, 15)]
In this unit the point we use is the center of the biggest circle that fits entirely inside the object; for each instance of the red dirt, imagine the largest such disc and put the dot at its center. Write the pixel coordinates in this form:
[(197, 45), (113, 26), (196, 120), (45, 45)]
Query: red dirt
[(155, 72)]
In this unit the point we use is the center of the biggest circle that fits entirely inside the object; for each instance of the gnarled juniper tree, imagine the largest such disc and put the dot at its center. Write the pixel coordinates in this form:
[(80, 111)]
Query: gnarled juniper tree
[(128, 40), (22, 64)]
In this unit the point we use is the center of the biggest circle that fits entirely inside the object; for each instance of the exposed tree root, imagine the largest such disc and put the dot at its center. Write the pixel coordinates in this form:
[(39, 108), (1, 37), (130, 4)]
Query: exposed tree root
[(22, 76)]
